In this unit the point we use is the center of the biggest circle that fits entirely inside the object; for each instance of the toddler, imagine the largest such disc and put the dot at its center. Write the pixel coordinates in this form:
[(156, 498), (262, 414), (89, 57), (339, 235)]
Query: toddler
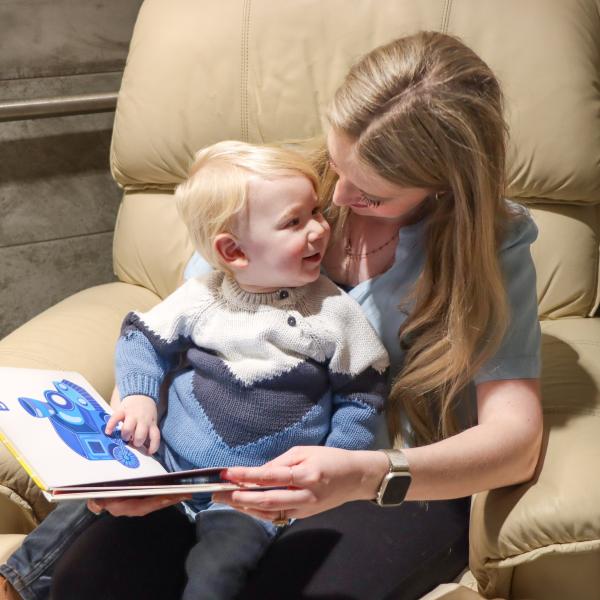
[(268, 353)]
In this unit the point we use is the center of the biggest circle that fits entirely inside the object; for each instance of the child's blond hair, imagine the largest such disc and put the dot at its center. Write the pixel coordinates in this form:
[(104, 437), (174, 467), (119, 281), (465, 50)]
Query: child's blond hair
[(216, 189)]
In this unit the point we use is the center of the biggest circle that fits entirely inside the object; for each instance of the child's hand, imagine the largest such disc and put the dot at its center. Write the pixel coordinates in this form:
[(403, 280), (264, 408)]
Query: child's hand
[(139, 415)]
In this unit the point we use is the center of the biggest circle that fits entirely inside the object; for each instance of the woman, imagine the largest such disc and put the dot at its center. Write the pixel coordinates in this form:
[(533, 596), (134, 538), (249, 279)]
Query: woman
[(440, 264), (417, 143)]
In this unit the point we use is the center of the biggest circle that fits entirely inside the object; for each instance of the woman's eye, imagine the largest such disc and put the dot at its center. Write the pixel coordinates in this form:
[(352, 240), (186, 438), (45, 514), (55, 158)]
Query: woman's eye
[(316, 211), (369, 201), (292, 223)]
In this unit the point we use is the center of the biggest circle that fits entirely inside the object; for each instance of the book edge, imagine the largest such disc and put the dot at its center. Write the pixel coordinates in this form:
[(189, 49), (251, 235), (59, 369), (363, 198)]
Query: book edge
[(26, 466)]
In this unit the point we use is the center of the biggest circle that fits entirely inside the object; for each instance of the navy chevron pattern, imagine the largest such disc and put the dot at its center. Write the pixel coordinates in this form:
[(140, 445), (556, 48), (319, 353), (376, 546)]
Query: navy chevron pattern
[(262, 372), (242, 413), (368, 387)]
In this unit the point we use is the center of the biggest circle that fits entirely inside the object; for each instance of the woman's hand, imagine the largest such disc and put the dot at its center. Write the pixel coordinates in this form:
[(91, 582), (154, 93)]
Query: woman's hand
[(133, 507), (315, 479)]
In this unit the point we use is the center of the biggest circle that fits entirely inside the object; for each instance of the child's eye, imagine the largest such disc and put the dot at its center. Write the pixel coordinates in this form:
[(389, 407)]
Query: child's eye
[(293, 222)]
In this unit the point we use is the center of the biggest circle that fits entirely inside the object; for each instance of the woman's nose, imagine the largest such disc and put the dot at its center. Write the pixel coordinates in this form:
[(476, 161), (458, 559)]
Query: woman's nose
[(345, 193)]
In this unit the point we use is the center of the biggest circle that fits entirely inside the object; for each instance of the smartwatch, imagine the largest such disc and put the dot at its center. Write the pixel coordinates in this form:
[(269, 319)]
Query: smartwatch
[(396, 482)]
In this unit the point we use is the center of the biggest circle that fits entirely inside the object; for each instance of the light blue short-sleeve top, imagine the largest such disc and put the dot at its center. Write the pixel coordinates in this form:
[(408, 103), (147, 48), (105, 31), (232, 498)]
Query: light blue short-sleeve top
[(519, 354)]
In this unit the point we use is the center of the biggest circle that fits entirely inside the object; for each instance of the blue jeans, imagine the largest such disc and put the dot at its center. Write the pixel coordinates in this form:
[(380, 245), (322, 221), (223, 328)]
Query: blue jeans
[(228, 544), (29, 568)]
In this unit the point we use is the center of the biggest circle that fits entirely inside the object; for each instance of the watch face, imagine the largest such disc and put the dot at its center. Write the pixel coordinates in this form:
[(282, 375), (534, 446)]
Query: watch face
[(396, 488)]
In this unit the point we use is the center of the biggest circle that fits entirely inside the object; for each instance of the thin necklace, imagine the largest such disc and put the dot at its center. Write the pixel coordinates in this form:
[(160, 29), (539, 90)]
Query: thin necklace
[(350, 254)]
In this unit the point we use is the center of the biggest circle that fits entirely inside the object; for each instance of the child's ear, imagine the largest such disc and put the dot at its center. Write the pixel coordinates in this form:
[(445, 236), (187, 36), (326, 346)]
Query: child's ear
[(230, 252)]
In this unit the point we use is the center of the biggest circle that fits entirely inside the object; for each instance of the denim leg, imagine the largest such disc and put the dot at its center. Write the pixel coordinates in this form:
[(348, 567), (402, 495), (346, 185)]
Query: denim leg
[(29, 568), (228, 546)]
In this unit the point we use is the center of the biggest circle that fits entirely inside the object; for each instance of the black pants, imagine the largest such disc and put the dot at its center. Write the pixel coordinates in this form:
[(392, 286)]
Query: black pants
[(356, 552)]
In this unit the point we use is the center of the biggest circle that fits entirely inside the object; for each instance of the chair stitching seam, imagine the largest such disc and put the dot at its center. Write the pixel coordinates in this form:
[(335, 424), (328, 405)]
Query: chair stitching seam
[(244, 68), (446, 16)]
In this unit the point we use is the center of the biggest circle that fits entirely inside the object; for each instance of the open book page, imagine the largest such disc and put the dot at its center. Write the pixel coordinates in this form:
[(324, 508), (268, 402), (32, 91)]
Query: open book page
[(53, 421)]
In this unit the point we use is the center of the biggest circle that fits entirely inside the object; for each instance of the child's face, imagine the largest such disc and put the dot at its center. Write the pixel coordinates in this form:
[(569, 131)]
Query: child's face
[(282, 234)]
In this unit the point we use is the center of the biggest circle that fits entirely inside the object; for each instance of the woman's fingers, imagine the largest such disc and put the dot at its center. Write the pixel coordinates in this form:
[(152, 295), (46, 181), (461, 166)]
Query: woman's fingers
[(265, 475), (94, 507), (285, 470), (268, 502), (274, 515), (269, 505)]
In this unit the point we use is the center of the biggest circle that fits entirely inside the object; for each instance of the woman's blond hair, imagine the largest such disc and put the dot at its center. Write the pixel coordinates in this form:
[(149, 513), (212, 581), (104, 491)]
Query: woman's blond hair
[(425, 111), (216, 189)]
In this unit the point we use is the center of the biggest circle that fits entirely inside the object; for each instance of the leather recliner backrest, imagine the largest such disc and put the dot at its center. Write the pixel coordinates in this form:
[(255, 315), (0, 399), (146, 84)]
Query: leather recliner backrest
[(264, 71)]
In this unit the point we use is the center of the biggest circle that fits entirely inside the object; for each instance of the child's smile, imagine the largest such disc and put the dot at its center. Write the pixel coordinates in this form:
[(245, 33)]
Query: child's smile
[(282, 234)]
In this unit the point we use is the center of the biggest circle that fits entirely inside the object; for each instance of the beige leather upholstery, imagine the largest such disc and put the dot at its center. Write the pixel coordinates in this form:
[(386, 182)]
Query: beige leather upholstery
[(9, 542), (257, 70), (151, 245), (451, 591)]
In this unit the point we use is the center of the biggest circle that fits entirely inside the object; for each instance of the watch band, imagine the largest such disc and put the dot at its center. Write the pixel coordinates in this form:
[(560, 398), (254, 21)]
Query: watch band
[(398, 460), (394, 485)]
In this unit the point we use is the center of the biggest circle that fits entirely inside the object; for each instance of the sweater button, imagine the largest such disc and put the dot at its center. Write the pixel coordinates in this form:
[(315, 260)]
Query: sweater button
[(283, 294), (291, 321)]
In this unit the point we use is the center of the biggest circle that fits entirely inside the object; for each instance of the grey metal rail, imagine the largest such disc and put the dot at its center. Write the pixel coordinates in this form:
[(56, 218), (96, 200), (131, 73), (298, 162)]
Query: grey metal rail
[(43, 108)]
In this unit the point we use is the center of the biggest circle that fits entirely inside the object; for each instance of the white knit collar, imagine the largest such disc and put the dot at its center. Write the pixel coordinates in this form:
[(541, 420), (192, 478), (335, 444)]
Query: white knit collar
[(234, 294)]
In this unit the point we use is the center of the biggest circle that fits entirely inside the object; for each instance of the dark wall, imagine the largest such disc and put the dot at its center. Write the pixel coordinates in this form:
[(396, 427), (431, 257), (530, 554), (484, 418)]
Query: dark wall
[(58, 202)]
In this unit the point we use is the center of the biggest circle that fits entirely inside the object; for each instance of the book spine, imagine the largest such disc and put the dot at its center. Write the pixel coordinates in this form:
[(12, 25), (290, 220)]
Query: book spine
[(22, 461)]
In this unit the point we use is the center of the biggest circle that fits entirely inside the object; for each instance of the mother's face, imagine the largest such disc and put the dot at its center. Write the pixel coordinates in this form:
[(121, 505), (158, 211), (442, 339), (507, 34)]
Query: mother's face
[(365, 192)]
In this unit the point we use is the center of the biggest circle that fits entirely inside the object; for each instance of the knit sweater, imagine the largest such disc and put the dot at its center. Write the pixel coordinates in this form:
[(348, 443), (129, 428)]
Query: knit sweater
[(262, 372)]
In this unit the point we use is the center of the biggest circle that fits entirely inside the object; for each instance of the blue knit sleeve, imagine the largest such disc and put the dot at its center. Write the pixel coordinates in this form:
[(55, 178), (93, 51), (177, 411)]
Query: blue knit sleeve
[(139, 368), (152, 343)]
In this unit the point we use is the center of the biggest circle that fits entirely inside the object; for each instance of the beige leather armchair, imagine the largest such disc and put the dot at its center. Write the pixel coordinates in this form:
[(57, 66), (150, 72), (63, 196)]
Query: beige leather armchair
[(257, 70)]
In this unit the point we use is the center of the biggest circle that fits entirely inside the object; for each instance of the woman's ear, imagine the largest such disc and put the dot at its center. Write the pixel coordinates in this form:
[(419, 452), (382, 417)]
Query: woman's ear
[(230, 252)]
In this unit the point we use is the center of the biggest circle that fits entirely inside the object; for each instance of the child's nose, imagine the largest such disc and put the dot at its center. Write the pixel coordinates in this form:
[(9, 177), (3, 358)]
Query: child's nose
[(318, 230)]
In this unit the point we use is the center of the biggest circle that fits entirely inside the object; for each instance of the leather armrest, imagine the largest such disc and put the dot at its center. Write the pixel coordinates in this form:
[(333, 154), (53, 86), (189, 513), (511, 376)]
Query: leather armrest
[(556, 517), (77, 334)]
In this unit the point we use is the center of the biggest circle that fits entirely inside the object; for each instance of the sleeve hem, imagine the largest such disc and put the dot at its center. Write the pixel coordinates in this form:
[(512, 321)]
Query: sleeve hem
[(140, 384), (514, 367)]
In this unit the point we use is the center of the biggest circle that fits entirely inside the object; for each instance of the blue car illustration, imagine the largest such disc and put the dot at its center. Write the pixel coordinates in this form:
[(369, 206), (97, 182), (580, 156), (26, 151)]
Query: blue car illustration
[(79, 421)]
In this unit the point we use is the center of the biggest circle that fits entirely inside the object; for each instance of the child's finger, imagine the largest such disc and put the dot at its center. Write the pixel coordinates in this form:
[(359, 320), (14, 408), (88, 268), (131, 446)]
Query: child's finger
[(128, 428), (154, 437), (114, 420), (140, 435)]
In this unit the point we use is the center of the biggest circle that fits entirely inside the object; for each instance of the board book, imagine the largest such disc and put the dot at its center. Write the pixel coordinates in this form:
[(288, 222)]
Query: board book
[(53, 423)]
